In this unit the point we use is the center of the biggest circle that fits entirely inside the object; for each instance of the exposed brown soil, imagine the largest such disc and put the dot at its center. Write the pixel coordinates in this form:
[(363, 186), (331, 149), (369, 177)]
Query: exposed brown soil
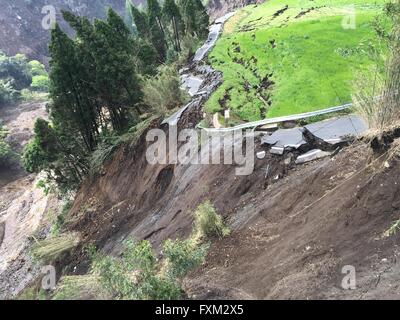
[(218, 8), (291, 235), (292, 247), (22, 205)]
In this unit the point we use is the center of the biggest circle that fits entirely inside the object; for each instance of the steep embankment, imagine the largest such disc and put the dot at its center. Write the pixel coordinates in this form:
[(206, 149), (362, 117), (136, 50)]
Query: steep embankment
[(294, 229), (22, 205)]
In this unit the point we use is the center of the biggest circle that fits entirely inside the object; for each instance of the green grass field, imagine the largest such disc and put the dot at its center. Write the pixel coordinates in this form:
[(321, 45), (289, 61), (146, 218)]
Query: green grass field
[(299, 60)]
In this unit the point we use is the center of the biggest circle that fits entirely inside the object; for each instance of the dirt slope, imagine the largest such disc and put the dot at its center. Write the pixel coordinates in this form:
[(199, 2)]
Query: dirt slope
[(289, 251), (281, 247), (22, 205), (218, 8)]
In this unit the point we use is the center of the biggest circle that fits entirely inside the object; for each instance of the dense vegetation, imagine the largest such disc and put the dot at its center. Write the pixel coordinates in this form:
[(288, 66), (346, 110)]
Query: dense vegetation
[(6, 153), (18, 76), (107, 80), (282, 58)]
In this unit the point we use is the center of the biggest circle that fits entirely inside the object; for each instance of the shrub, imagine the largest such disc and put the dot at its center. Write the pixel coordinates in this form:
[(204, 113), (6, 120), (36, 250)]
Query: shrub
[(7, 93), (52, 248), (135, 277), (163, 92), (208, 223), (80, 288), (36, 68), (183, 255), (40, 83), (7, 155)]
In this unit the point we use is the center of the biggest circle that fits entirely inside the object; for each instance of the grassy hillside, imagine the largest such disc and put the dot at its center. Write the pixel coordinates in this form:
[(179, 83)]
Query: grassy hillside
[(293, 56)]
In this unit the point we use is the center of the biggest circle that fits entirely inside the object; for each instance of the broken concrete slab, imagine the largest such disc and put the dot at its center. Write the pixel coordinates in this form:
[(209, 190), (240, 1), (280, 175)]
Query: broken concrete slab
[(334, 131), (191, 83), (312, 155), (277, 150), (213, 36), (285, 138)]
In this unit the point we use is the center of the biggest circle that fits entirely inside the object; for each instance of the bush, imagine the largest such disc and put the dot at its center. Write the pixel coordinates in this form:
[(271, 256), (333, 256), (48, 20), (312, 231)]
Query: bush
[(7, 93), (139, 275), (208, 223), (15, 70), (163, 92), (135, 277), (7, 155), (182, 256), (40, 83), (80, 288), (36, 68)]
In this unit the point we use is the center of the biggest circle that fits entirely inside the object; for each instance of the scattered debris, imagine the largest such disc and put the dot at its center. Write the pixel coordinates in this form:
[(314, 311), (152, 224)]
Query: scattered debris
[(261, 155), (277, 150), (312, 155)]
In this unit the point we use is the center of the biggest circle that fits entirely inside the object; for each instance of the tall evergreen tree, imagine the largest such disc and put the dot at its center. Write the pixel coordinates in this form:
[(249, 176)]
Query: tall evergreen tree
[(128, 19), (69, 109), (195, 17), (141, 22), (157, 32), (173, 19)]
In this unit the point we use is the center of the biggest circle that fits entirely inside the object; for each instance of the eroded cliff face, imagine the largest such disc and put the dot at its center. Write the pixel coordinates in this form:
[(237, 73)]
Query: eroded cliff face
[(23, 206), (21, 28), (218, 8)]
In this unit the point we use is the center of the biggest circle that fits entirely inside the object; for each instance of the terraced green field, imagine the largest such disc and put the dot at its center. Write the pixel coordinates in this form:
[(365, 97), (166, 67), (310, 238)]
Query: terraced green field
[(293, 56)]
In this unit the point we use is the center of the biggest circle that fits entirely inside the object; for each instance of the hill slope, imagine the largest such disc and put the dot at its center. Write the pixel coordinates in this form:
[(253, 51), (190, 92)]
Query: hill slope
[(285, 57), (21, 22)]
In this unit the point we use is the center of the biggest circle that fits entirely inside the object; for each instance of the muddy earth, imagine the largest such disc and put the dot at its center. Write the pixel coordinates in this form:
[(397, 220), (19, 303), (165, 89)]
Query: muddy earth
[(22, 205)]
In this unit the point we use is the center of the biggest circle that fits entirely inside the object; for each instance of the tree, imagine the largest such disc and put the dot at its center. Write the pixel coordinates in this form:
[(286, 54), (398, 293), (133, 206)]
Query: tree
[(195, 18), (15, 71), (173, 19), (150, 27), (94, 88), (56, 154), (128, 19), (141, 22), (71, 109), (6, 153)]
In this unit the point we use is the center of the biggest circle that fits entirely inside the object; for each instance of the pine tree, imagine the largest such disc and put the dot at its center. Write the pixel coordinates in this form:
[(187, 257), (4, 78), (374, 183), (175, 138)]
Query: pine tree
[(117, 82), (69, 109), (157, 32), (203, 19), (128, 19), (141, 23), (173, 19), (195, 17)]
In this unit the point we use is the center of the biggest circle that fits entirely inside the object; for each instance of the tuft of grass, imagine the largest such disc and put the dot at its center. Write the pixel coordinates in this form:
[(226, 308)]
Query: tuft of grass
[(395, 227), (80, 288), (378, 96), (208, 223), (52, 248)]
